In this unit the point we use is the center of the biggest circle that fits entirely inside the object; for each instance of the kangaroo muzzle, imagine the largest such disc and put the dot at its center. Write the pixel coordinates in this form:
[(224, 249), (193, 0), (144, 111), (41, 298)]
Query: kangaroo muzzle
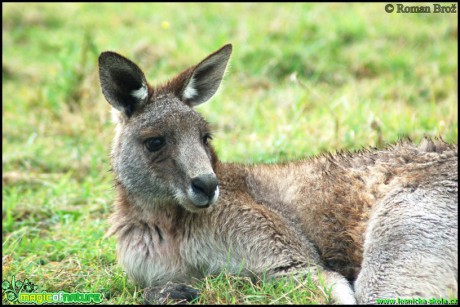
[(204, 190)]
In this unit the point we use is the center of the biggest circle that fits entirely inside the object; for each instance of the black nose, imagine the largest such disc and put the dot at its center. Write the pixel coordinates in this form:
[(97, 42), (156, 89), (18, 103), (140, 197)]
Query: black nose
[(205, 185)]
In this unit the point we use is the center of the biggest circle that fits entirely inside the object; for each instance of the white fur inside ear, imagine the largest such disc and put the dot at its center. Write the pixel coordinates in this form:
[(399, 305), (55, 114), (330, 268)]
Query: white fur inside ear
[(190, 90), (140, 93)]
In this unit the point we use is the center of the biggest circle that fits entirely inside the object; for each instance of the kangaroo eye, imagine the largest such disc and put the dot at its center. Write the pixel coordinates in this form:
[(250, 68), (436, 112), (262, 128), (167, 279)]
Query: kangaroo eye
[(206, 138), (154, 144)]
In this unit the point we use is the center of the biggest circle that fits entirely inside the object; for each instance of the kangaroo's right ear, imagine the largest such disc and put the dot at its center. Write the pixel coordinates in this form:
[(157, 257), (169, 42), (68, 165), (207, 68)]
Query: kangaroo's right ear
[(123, 82)]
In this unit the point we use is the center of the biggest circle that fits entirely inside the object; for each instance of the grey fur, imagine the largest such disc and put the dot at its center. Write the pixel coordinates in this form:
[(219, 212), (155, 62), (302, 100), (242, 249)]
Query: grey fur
[(385, 218)]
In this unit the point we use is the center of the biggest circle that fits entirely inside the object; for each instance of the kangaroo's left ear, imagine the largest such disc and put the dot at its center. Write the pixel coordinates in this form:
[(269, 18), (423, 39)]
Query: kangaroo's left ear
[(206, 77)]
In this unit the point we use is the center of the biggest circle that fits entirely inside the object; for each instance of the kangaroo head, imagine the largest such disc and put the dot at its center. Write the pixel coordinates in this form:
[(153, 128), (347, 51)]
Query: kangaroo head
[(161, 152)]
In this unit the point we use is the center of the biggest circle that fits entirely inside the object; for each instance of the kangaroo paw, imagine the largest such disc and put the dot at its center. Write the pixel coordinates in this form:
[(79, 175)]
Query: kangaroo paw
[(176, 293)]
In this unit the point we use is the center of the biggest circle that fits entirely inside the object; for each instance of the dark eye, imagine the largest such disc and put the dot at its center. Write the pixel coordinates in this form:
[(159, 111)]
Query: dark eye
[(206, 138), (154, 144)]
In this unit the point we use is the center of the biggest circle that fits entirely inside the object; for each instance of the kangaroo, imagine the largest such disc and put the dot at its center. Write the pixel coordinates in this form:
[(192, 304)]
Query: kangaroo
[(371, 225)]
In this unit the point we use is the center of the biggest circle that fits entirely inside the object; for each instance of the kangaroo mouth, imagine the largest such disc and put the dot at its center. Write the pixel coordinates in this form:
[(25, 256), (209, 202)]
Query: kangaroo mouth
[(203, 190), (202, 200), (199, 193)]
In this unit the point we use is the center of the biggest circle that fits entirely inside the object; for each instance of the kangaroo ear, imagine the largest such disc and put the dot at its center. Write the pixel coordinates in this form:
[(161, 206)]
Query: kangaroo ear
[(123, 82), (206, 77)]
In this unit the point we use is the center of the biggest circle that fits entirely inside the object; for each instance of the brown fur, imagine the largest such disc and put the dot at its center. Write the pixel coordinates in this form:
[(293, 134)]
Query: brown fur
[(336, 193)]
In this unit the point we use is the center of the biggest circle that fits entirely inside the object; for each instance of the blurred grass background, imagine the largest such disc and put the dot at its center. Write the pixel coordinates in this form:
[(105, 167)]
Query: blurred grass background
[(304, 78)]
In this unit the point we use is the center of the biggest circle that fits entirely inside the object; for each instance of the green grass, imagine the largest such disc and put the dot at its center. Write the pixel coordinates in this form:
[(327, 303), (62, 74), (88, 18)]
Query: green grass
[(303, 79), (230, 290)]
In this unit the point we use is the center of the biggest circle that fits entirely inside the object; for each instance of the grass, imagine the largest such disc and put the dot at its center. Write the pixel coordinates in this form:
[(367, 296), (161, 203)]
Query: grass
[(231, 290), (304, 79)]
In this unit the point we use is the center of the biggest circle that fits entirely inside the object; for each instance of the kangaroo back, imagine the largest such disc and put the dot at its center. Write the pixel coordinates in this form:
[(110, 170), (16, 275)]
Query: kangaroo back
[(411, 241)]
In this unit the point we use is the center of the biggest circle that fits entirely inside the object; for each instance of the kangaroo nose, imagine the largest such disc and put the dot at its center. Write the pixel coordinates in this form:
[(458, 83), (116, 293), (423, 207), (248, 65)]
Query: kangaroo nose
[(205, 185)]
